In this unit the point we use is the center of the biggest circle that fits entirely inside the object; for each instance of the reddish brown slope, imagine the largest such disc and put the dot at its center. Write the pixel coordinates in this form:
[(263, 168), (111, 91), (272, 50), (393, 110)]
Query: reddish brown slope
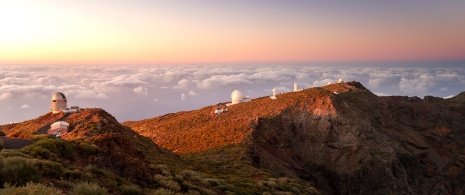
[(199, 130), (349, 142), (29, 126)]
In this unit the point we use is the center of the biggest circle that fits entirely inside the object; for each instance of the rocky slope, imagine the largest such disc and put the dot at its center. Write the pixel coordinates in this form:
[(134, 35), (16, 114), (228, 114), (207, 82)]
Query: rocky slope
[(348, 142), (95, 142), (98, 149)]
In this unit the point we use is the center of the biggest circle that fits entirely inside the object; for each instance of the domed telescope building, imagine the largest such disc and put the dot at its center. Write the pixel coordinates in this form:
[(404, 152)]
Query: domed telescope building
[(59, 102), (238, 97)]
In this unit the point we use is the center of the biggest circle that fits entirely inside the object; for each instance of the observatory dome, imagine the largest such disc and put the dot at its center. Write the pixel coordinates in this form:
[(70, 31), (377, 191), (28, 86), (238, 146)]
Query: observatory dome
[(58, 96), (59, 102), (237, 96)]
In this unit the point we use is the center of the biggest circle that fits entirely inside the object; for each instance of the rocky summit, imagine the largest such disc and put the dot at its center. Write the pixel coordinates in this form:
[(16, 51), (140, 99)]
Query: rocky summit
[(341, 138)]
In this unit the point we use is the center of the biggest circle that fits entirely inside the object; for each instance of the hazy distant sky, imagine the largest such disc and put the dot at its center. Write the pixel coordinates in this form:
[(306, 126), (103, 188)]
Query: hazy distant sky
[(221, 32), (142, 58)]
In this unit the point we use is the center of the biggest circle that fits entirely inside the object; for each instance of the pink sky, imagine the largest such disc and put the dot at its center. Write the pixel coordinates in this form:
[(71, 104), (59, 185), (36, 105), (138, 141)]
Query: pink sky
[(152, 32)]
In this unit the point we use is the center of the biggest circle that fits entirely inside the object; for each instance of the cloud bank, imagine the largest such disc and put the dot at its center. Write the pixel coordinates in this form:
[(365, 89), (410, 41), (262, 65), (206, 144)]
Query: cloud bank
[(138, 92)]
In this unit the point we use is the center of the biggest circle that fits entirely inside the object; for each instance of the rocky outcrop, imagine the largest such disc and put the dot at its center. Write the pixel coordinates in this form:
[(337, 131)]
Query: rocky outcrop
[(370, 145)]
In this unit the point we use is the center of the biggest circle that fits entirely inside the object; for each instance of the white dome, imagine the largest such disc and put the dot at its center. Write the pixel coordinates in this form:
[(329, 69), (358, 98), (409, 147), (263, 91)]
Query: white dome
[(58, 96), (237, 95)]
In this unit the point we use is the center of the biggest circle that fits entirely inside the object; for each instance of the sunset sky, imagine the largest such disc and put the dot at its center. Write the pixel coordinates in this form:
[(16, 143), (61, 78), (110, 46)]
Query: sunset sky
[(41, 32)]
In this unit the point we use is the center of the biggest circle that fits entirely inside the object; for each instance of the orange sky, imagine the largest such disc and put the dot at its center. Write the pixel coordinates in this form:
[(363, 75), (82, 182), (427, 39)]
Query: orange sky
[(152, 32)]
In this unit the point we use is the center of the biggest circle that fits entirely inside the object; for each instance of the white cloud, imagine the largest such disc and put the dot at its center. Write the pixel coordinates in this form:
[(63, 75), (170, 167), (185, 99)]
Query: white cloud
[(321, 83), (182, 84), (449, 96), (382, 94), (192, 93), (218, 81), (25, 106), (418, 85), (183, 96), (141, 91), (89, 94)]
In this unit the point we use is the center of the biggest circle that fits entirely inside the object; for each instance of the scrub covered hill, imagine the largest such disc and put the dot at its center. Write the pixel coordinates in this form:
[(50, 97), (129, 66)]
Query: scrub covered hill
[(99, 153), (340, 137)]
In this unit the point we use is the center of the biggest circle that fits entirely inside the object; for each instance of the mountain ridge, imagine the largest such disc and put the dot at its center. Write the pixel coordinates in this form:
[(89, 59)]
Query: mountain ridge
[(341, 137)]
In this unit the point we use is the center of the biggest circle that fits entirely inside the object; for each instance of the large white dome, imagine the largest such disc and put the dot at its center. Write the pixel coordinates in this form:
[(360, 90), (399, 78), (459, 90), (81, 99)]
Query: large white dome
[(58, 96), (237, 96)]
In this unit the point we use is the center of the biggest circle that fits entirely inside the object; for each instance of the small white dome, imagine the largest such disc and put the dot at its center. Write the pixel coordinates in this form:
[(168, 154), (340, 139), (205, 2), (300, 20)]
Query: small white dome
[(58, 96), (237, 95), (340, 81)]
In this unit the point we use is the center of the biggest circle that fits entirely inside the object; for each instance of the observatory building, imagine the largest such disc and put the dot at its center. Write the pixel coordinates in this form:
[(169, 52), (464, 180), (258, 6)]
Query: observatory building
[(238, 97), (59, 102), (58, 128), (340, 81), (273, 97)]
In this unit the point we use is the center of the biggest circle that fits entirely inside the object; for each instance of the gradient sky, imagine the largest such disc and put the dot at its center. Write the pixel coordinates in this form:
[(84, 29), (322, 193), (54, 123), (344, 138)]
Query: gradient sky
[(212, 31)]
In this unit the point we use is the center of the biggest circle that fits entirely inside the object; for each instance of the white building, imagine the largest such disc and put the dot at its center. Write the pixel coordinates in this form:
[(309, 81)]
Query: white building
[(238, 97), (58, 128), (340, 81), (273, 97), (59, 102)]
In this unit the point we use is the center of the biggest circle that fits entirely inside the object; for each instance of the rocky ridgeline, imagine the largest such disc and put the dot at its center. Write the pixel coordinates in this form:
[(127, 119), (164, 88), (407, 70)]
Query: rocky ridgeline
[(340, 137)]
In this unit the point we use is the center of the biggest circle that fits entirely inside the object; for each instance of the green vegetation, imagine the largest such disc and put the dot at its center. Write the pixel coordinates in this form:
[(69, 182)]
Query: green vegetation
[(100, 156), (18, 171), (86, 188), (2, 133), (30, 188)]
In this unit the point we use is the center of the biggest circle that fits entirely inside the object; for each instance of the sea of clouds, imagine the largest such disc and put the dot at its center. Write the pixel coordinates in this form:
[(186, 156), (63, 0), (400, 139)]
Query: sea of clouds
[(139, 92)]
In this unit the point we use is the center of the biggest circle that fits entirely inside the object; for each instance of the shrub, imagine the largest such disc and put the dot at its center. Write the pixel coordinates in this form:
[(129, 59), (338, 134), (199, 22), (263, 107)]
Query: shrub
[(1, 144), (30, 188), (132, 190), (74, 174), (2, 133), (87, 149), (50, 148), (162, 191), (49, 168), (88, 189), (18, 171)]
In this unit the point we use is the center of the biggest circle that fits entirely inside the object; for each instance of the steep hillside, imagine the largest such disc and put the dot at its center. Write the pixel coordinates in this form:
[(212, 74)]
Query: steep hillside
[(111, 157), (340, 137), (97, 148), (28, 127)]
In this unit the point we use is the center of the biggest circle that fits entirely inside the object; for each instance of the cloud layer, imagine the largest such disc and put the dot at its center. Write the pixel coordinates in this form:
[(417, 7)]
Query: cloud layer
[(137, 92)]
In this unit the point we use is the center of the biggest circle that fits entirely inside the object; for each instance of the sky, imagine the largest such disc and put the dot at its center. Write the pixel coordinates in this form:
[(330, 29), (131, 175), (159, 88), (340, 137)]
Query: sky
[(144, 58), (141, 32)]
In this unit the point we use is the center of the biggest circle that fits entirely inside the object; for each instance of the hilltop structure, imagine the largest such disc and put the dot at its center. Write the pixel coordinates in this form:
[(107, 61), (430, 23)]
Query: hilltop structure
[(58, 128), (340, 81), (59, 102), (238, 97), (220, 108), (295, 88), (273, 97)]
